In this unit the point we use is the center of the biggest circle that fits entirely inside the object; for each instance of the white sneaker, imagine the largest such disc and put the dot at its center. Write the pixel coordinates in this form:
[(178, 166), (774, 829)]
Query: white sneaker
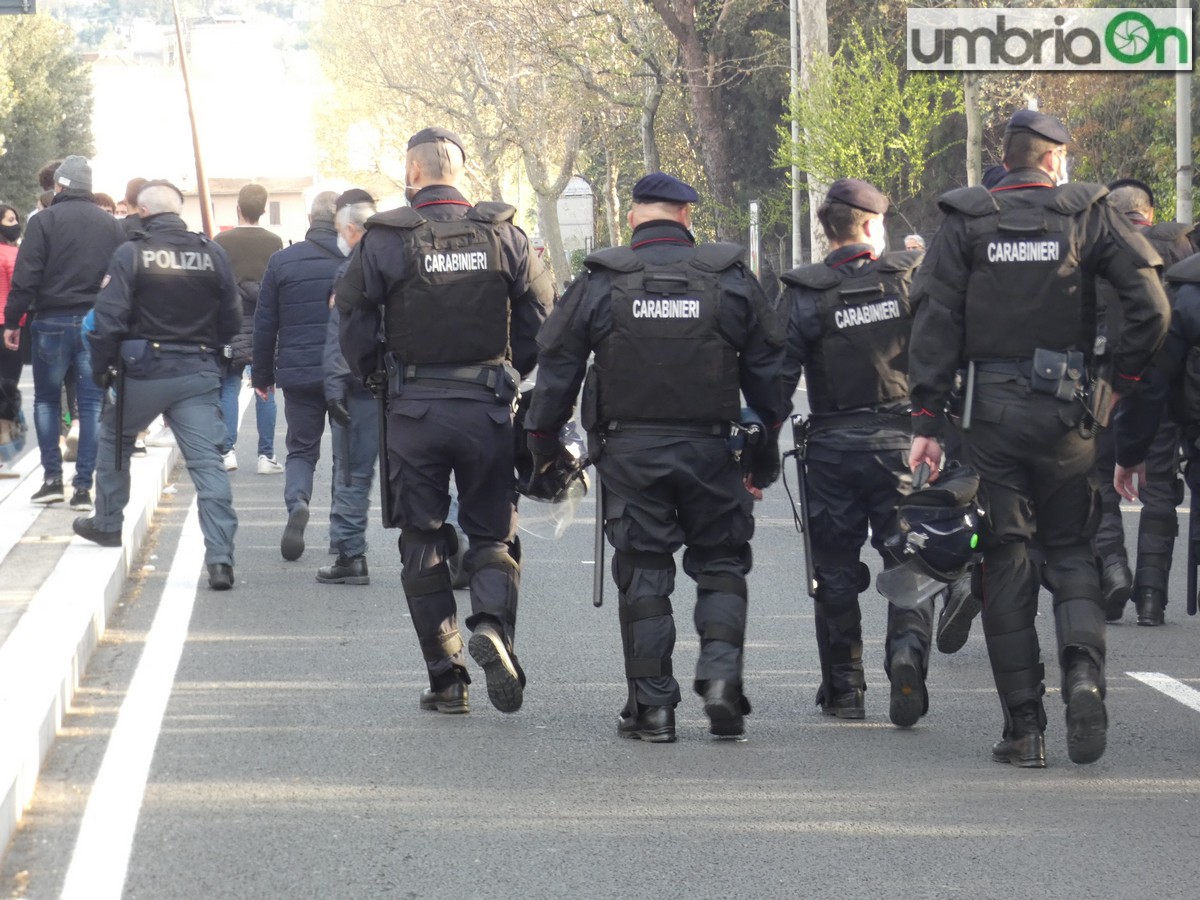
[(269, 465), (230, 461)]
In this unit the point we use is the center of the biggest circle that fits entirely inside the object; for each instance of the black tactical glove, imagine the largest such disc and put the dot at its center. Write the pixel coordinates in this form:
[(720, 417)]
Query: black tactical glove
[(765, 459), (338, 412), (105, 378), (545, 450), (376, 383)]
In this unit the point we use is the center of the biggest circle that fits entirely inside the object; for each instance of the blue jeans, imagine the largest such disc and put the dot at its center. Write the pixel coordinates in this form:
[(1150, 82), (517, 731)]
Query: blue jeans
[(355, 448), (59, 347), (264, 412)]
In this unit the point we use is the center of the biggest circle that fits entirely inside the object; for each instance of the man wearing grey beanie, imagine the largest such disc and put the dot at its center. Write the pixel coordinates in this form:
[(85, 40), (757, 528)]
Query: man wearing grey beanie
[(58, 272)]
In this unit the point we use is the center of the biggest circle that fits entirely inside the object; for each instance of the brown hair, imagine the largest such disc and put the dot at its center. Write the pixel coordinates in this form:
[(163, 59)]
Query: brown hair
[(841, 221), (252, 201)]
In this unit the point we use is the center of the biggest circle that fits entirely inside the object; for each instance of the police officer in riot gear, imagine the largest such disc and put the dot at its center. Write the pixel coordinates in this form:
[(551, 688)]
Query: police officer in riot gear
[(848, 323), (1171, 389), (168, 305), (1163, 491), (1008, 288), (676, 329), (458, 296)]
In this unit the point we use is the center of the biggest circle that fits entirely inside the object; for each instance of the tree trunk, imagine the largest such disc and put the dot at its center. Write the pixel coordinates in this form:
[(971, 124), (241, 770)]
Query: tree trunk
[(814, 41), (612, 199), (704, 99), (650, 104), (548, 192), (974, 120)]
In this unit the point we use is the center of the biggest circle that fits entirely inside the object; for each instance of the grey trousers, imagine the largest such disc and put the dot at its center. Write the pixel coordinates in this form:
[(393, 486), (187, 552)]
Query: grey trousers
[(191, 405)]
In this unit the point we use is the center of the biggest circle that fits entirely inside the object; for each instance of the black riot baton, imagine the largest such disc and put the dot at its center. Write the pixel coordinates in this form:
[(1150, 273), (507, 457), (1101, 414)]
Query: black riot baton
[(800, 437), (118, 375), (598, 548)]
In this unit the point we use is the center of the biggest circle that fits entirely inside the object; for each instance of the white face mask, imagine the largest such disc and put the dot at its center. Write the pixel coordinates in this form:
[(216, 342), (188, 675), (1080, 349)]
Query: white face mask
[(344, 246), (877, 235)]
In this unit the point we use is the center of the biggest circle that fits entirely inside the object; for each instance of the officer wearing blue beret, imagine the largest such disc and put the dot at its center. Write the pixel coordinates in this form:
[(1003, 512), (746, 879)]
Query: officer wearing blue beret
[(848, 324), (1008, 288), (677, 330)]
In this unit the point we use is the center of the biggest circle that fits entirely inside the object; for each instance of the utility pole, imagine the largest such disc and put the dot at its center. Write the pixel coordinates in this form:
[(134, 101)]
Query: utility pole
[(1183, 141), (797, 238), (201, 180)]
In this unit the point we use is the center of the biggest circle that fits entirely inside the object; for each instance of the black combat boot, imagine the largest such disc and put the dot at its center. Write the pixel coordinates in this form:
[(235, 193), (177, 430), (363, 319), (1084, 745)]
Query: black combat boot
[(1024, 741), (1087, 720), (848, 704), (653, 724), (909, 699), (505, 678), (726, 707), (345, 570), (1151, 604), (1116, 584)]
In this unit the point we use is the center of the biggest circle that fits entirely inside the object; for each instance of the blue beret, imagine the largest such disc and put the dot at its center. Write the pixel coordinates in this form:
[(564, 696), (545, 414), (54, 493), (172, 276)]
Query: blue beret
[(354, 195), (1133, 182), (658, 186), (992, 176), (432, 135), (1040, 124), (859, 194)]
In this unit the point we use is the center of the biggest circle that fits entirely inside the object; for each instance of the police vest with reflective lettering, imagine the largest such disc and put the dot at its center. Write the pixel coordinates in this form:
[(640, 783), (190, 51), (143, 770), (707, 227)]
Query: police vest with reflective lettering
[(452, 306), (1026, 289), (666, 359), (176, 289), (861, 358)]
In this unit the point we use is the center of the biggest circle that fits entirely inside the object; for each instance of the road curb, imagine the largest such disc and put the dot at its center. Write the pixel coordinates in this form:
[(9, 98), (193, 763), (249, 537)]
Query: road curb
[(42, 660)]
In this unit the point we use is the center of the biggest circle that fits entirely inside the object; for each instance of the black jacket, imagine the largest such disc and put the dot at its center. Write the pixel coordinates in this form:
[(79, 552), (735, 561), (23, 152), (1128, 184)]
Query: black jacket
[(63, 258)]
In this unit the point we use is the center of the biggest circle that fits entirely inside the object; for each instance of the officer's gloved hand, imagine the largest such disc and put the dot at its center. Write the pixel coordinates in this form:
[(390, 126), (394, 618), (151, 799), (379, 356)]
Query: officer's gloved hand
[(545, 449), (765, 459), (104, 378), (376, 383), (338, 412)]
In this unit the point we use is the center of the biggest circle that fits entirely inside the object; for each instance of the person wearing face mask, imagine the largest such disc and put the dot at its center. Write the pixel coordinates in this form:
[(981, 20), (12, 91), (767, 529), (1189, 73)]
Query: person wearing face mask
[(249, 247), (11, 362), (289, 350), (848, 323), (458, 295), (1008, 288), (353, 421)]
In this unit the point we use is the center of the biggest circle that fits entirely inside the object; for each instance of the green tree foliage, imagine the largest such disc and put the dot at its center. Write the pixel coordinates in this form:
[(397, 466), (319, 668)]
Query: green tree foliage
[(49, 100), (864, 118)]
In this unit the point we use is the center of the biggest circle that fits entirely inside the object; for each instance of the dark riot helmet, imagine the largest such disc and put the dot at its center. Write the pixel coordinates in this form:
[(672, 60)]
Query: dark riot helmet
[(936, 535)]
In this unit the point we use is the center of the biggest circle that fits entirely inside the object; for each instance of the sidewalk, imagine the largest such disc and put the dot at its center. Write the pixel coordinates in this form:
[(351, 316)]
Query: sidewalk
[(57, 592)]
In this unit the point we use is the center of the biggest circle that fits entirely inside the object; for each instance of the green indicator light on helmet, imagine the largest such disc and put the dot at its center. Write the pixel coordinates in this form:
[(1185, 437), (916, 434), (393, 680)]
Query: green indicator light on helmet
[(974, 541)]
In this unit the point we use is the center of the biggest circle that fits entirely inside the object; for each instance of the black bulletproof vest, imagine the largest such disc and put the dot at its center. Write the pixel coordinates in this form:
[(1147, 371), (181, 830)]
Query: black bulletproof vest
[(176, 289), (452, 306), (666, 358), (861, 358), (1171, 241), (1026, 288)]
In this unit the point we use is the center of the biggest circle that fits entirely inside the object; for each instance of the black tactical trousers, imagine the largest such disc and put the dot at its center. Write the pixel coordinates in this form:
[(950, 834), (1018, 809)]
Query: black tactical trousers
[(428, 440), (847, 491), (1037, 481), (1160, 494), (662, 493)]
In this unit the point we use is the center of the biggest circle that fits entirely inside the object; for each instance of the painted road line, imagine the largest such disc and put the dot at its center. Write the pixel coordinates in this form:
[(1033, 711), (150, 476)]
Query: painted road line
[(102, 851), (1176, 690)]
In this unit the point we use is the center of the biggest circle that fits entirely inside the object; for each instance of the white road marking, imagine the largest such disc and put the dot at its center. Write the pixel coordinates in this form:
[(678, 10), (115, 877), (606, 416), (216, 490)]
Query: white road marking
[(1176, 690), (102, 850)]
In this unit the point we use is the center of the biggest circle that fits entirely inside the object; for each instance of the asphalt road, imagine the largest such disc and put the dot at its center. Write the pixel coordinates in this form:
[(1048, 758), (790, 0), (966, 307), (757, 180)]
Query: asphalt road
[(292, 760)]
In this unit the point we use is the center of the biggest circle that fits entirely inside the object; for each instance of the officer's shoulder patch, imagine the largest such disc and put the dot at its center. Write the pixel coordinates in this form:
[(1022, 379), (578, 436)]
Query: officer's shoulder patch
[(618, 259), (718, 257), (970, 201), (492, 212), (1075, 198), (1185, 272), (403, 217), (816, 276), (1168, 231), (900, 260)]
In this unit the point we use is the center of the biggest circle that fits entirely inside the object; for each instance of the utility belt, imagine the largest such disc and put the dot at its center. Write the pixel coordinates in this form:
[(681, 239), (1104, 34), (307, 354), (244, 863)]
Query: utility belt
[(669, 429), (1052, 372), (862, 418), (500, 380), (139, 355)]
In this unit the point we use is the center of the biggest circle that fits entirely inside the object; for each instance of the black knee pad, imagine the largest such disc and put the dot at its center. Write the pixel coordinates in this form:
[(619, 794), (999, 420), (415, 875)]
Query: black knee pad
[(625, 561)]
